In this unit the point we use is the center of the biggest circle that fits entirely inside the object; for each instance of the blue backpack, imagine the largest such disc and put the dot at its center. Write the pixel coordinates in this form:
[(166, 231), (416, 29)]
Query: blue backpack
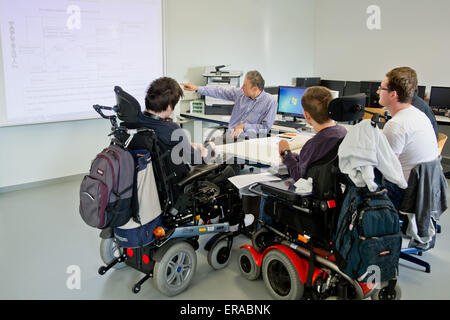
[(367, 235)]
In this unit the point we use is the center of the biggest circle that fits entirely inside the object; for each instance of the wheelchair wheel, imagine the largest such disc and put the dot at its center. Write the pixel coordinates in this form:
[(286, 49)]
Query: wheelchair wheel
[(382, 294), (219, 254), (110, 250), (281, 277), (247, 265), (174, 273), (262, 239)]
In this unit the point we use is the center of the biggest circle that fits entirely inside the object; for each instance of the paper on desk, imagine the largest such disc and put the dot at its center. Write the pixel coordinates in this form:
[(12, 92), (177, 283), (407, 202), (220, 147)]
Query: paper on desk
[(245, 180), (295, 140)]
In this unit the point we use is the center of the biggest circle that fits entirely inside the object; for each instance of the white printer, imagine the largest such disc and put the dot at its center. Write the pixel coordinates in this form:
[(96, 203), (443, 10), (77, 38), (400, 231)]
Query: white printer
[(224, 78)]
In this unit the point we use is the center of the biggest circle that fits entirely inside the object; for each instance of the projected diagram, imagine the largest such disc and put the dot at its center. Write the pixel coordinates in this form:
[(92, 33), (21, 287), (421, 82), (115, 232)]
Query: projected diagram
[(60, 59)]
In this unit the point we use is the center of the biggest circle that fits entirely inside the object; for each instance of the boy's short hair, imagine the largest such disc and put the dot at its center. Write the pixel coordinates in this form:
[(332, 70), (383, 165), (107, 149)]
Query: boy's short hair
[(403, 80), (315, 100), (161, 93)]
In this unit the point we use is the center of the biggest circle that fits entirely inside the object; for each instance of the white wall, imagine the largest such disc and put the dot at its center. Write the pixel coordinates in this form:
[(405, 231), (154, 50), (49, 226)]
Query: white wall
[(274, 37), (413, 33), (47, 151)]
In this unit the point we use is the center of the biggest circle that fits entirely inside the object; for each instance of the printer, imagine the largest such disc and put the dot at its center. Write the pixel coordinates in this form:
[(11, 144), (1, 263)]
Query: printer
[(215, 76)]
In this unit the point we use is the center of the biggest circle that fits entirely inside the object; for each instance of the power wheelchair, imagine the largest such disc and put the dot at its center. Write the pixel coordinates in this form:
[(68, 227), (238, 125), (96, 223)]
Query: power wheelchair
[(193, 203), (293, 250)]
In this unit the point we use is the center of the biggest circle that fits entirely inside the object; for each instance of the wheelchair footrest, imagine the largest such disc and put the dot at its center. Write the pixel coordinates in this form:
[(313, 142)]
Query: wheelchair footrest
[(103, 269)]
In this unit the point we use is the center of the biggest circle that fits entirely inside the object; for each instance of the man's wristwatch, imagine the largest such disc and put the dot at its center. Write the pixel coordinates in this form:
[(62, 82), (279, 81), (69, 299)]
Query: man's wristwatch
[(285, 152)]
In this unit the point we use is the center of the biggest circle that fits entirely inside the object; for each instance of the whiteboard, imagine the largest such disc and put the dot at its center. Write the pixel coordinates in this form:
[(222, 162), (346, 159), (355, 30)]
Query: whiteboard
[(61, 57)]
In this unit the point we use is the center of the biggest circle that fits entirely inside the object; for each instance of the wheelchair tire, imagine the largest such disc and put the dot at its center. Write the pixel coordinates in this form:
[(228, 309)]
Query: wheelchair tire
[(109, 250), (247, 265), (219, 255), (176, 269), (381, 294), (281, 277)]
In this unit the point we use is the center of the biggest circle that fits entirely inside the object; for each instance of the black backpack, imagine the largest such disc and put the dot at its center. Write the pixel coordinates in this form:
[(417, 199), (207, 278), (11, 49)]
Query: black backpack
[(107, 192), (367, 235)]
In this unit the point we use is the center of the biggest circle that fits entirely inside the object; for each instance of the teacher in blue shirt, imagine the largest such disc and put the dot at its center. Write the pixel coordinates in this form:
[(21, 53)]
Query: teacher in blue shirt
[(254, 109)]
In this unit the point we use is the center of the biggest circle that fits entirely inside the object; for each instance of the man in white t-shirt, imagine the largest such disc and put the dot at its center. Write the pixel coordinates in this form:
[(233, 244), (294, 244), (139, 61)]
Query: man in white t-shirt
[(409, 132)]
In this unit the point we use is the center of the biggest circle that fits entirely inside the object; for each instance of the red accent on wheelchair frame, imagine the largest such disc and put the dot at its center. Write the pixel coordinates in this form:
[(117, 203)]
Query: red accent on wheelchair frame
[(331, 204), (130, 252), (300, 263), (365, 288)]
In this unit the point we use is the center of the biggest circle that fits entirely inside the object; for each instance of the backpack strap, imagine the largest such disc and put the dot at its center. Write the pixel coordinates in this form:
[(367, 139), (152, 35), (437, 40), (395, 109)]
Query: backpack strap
[(101, 156)]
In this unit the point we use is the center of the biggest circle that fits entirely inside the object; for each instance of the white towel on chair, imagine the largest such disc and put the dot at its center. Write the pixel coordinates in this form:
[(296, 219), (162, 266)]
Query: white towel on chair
[(365, 148)]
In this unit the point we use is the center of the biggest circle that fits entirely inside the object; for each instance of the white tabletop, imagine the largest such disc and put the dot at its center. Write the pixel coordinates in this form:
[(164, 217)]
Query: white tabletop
[(262, 150)]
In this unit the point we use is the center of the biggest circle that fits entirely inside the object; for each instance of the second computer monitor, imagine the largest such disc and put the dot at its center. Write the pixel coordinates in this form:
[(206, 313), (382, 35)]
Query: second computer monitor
[(290, 101), (335, 85), (352, 87), (307, 82), (440, 97)]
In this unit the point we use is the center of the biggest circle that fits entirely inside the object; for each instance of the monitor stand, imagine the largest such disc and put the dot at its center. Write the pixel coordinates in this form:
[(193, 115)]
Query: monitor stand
[(293, 120), (294, 123)]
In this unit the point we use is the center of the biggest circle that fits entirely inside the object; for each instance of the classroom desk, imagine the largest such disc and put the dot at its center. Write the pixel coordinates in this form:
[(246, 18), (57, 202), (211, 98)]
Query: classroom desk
[(261, 151), (218, 119), (258, 151), (443, 120), (224, 120)]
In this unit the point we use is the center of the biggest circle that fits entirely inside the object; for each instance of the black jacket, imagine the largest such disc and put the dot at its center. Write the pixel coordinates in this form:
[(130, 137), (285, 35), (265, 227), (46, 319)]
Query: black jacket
[(425, 198)]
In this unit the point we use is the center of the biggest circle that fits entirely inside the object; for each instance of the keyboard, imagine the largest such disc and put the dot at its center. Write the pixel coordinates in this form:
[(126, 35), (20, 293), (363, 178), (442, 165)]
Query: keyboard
[(289, 124), (438, 112)]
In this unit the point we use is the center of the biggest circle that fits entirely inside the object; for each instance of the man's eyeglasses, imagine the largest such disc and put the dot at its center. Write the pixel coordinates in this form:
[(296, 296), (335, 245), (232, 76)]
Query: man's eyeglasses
[(381, 88)]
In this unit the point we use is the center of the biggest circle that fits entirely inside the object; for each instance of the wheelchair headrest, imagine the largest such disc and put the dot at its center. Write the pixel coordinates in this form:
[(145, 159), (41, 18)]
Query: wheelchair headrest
[(128, 108), (347, 108)]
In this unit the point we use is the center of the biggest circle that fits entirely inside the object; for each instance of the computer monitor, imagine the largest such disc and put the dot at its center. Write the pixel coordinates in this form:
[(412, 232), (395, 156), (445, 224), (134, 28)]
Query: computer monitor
[(370, 88), (271, 90), (352, 87), (421, 91), (336, 85), (307, 82), (440, 97), (290, 101)]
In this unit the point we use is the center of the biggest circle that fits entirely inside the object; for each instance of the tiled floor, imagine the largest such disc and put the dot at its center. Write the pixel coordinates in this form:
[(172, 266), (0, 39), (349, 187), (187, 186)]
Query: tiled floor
[(42, 235)]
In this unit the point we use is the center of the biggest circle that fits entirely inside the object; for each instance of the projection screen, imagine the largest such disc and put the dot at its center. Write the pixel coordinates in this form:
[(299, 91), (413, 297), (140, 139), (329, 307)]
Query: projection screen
[(59, 57)]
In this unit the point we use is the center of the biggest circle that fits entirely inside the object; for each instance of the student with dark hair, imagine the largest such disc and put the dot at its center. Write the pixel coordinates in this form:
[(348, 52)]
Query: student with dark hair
[(315, 106), (162, 96)]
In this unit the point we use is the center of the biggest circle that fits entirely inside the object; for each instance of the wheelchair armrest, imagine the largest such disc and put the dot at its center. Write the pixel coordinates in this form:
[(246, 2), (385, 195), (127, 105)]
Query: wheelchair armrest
[(197, 172), (279, 189), (287, 195)]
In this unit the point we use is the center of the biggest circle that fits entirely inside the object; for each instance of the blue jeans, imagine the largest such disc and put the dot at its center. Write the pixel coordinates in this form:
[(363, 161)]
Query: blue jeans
[(263, 215)]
